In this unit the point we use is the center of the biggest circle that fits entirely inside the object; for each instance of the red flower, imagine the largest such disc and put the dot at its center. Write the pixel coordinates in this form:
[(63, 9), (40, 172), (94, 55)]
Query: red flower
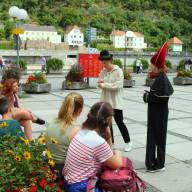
[(51, 185), (58, 190), (33, 188), (43, 183), (60, 183)]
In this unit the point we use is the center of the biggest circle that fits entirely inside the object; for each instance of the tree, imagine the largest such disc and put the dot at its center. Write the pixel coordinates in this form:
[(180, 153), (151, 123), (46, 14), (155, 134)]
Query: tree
[(2, 34), (9, 25)]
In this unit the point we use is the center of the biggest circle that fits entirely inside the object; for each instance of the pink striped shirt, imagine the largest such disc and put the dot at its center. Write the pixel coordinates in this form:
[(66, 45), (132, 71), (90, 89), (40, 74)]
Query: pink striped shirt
[(86, 153)]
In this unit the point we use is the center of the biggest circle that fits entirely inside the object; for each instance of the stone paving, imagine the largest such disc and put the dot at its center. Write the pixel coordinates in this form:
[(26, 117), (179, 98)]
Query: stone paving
[(178, 174)]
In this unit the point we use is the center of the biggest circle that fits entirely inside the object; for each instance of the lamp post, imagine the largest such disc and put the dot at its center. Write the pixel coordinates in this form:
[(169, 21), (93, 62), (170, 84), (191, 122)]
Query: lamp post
[(125, 53), (17, 15)]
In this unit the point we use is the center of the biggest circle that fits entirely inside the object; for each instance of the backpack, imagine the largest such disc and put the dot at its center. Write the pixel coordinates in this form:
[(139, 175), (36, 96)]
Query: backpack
[(124, 179)]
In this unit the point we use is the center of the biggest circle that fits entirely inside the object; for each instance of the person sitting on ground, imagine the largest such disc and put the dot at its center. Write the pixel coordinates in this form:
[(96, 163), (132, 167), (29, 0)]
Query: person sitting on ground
[(24, 116), (90, 149), (7, 124), (60, 132)]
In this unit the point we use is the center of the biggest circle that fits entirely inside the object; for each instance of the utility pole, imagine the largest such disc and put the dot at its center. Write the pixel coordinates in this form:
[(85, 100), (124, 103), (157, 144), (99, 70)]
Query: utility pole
[(125, 52)]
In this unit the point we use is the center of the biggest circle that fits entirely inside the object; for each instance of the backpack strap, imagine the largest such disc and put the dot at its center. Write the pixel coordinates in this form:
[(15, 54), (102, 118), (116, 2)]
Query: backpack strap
[(91, 184)]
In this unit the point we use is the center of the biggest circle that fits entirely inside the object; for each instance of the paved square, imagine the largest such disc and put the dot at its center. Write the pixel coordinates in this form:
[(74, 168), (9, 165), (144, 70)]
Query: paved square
[(178, 174)]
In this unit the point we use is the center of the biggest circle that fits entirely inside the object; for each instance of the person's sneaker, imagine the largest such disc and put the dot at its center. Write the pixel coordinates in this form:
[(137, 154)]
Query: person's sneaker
[(39, 121), (155, 169), (160, 169), (128, 147)]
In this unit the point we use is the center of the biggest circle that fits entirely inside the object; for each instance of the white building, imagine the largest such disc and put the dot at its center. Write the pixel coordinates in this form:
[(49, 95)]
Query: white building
[(175, 44), (74, 36), (118, 39), (36, 32), (134, 40)]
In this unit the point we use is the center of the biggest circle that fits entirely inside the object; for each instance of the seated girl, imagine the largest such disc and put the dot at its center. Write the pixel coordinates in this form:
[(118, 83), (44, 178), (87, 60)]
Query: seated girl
[(90, 149), (60, 132), (7, 124), (24, 116)]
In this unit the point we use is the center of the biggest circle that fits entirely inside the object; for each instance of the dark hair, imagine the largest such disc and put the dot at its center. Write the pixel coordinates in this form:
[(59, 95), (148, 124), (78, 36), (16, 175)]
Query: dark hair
[(99, 117), (4, 105)]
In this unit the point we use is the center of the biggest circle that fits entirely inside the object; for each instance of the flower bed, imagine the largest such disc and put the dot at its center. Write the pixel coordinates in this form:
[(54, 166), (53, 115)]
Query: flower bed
[(183, 78), (26, 166), (36, 83)]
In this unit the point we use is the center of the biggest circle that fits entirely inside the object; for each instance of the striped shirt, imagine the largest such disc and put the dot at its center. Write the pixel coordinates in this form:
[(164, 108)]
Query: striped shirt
[(86, 153)]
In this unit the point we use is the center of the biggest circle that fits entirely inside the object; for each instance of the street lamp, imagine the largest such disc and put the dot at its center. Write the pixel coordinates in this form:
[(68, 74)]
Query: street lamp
[(18, 15)]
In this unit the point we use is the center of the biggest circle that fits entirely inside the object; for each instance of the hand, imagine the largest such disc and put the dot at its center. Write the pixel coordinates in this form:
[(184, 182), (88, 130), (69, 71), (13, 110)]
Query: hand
[(100, 85), (100, 81)]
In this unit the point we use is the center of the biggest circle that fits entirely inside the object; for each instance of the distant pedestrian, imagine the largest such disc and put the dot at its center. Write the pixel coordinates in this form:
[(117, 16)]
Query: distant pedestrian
[(111, 84), (43, 64), (141, 68), (158, 111), (2, 63), (138, 65)]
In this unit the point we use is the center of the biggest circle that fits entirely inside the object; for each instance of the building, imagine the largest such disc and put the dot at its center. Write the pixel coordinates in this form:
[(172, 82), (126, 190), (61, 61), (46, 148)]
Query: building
[(74, 36), (36, 32), (175, 44), (134, 40), (118, 38)]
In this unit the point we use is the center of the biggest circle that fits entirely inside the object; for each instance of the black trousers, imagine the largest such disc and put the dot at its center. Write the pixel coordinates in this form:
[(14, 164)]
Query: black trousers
[(118, 116)]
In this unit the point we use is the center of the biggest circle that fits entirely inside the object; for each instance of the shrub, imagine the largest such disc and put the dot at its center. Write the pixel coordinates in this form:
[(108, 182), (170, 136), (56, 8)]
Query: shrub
[(118, 62), (168, 64), (37, 77), (54, 64), (181, 65), (13, 72), (75, 74), (183, 73), (127, 75), (25, 166), (144, 62), (22, 64)]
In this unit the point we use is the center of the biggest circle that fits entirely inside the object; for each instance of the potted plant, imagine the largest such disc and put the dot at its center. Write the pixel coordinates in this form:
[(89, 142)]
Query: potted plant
[(13, 72), (54, 65), (128, 81), (26, 166), (36, 83), (22, 65), (183, 78), (74, 79)]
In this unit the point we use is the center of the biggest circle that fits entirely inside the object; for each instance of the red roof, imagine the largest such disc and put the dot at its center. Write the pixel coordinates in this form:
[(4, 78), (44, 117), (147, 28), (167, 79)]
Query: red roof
[(118, 33), (137, 34), (70, 28), (175, 40)]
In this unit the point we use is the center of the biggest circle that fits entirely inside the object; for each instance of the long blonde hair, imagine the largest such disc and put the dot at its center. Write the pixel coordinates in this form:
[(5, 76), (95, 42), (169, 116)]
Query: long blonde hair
[(70, 107)]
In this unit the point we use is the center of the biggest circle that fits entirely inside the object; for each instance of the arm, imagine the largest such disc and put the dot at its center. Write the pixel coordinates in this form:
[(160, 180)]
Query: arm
[(151, 98), (116, 84), (73, 132), (115, 162)]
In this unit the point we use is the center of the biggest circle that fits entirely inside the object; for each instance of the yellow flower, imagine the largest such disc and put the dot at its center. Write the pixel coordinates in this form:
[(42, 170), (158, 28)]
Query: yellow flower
[(10, 152), (51, 162), (27, 155), (54, 141), (3, 124), (1, 86), (17, 158), (26, 141), (42, 140), (48, 153)]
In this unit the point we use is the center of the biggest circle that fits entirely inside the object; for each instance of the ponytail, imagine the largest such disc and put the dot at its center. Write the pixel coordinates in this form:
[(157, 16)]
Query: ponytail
[(71, 105)]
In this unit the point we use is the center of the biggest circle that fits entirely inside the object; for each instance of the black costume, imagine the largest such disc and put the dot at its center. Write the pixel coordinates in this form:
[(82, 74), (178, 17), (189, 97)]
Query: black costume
[(157, 100)]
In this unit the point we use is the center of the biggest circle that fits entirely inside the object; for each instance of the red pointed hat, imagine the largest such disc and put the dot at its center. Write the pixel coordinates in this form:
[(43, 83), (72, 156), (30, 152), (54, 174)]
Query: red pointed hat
[(159, 58)]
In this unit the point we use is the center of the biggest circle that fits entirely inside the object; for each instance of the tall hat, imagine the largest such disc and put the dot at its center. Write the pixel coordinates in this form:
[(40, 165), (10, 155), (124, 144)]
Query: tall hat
[(159, 58)]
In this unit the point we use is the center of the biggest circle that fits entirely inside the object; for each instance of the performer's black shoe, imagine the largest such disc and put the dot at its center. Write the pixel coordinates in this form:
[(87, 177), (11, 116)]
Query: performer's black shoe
[(39, 121)]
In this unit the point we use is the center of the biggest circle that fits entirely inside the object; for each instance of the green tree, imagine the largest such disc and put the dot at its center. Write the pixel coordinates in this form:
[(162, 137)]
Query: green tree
[(9, 25)]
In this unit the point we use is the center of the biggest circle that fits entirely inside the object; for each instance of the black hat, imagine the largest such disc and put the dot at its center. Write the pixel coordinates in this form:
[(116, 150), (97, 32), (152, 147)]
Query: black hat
[(105, 55)]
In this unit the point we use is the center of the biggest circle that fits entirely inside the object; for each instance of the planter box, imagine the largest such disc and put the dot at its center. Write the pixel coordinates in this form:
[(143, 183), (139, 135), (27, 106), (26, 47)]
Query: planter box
[(36, 88), (182, 81), (74, 85), (55, 72), (149, 82), (128, 83)]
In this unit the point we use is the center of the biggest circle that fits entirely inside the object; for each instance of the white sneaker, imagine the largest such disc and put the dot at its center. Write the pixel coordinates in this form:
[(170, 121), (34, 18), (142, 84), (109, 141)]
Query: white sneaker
[(128, 146)]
